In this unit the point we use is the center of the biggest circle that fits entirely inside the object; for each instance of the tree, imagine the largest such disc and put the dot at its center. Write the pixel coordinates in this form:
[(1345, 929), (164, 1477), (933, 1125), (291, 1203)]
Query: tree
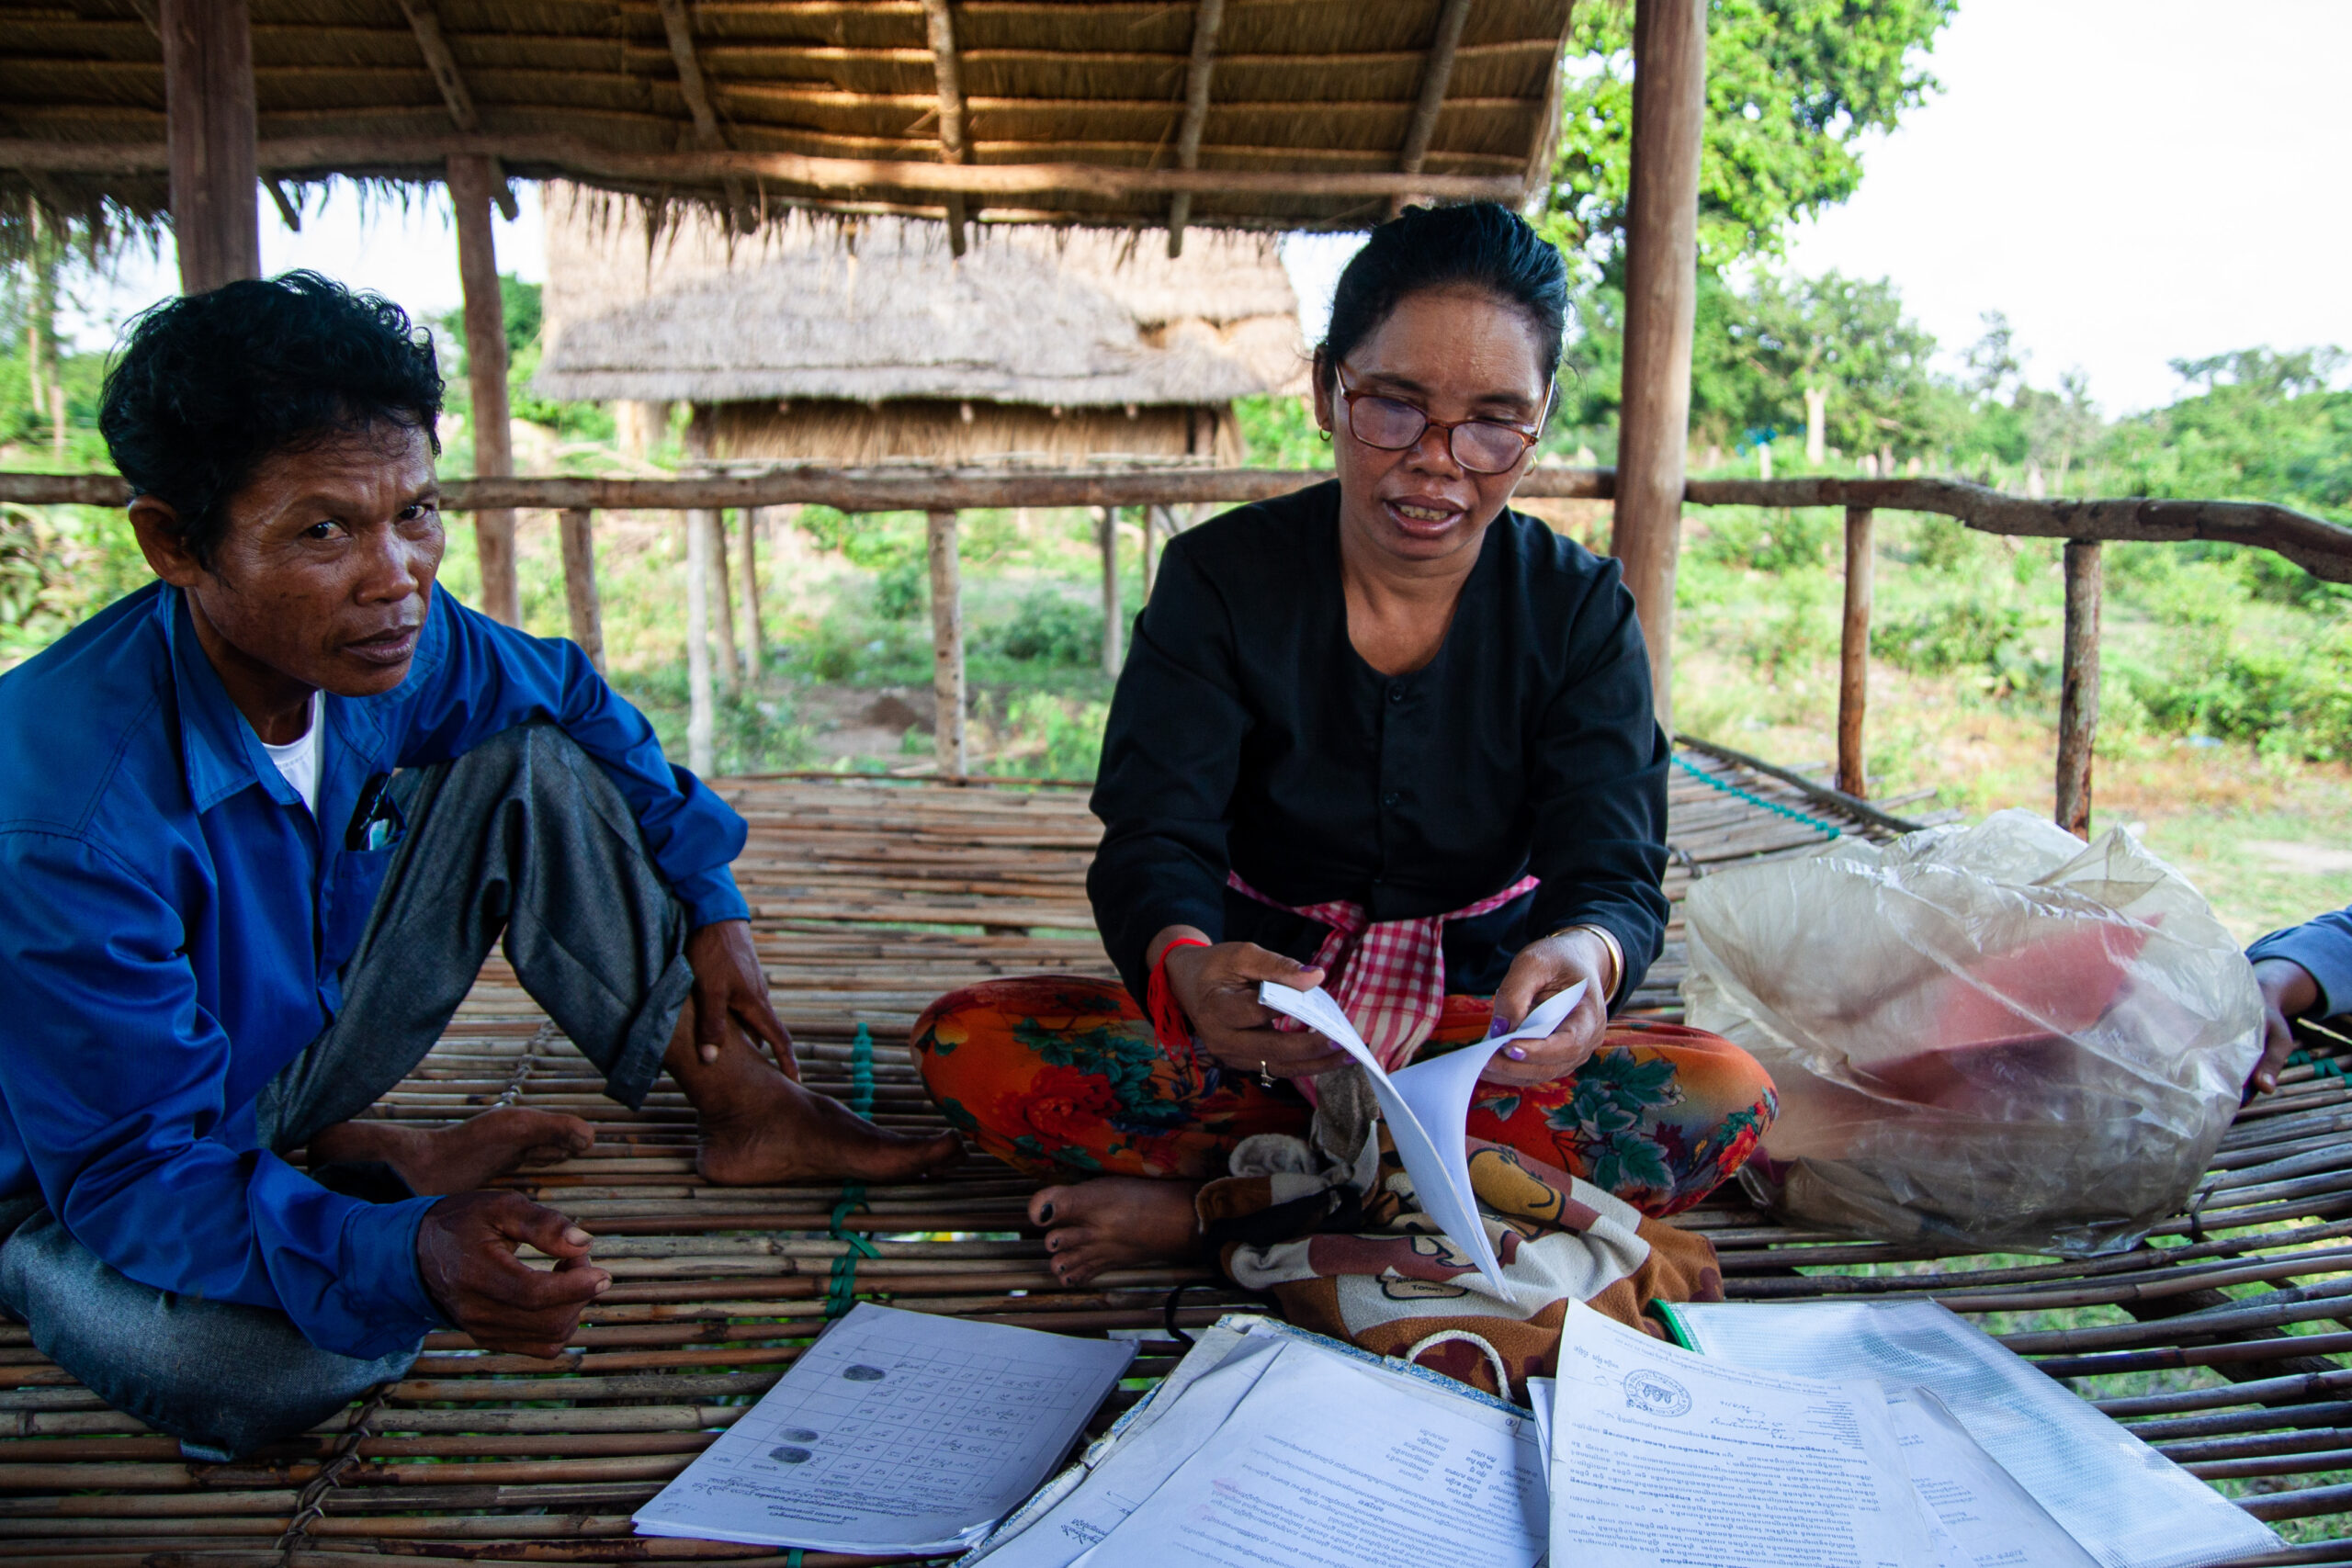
[(1791, 85)]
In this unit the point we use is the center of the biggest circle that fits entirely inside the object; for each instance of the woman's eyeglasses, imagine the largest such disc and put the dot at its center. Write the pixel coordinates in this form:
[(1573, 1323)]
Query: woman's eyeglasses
[(1481, 445)]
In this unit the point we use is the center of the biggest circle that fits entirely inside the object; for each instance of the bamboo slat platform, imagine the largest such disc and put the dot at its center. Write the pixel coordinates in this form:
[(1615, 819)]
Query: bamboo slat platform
[(872, 898)]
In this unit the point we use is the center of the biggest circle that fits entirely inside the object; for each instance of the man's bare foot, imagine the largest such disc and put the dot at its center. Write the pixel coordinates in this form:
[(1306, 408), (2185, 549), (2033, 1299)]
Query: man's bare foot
[(1114, 1219), (760, 1129), (459, 1158)]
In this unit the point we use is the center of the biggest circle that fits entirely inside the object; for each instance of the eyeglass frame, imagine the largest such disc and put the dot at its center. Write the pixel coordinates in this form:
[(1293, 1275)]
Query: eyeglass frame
[(1529, 435)]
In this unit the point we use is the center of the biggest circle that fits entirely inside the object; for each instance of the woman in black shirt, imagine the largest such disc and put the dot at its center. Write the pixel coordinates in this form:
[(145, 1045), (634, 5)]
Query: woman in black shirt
[(1386, 736)]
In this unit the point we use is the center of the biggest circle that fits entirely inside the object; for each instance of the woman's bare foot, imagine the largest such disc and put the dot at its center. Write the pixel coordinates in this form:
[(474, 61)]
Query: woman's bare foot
[(1113, 1219), (459, 1158)]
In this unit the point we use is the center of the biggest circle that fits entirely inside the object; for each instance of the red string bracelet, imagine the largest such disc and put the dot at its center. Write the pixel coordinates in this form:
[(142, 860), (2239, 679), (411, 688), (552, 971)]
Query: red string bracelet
[(1168, 1021)]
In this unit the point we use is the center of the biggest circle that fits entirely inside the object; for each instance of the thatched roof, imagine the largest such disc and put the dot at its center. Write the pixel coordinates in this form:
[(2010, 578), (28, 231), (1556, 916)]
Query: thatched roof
[(1284, 114), (880, 310)]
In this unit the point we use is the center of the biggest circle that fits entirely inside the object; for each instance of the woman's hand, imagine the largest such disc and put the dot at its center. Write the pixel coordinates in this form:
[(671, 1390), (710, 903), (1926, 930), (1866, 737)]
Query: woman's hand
[(1542, 969), (2288, 992), (1217, 988)]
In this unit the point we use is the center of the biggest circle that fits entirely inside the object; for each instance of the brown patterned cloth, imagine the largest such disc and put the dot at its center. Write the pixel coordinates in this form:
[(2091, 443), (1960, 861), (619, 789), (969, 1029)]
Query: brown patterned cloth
[(1345, 1246)]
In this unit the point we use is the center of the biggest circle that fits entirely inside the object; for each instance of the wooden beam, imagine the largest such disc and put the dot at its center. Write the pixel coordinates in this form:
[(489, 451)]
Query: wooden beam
[(955, 146), (502, 588), (701, 716), (751, 633), (947, 644), (679, 29), (1854, 653), (577, 156), (1208, 17), (426, 23), (723, 602), (210, 149), (2079, 688), (577, 525), (1106, 525), (1661, 303), (1437, 73)]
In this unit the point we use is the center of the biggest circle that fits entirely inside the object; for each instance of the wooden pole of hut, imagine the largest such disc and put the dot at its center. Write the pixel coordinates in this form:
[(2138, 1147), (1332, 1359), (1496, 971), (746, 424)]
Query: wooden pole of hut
[(722, 601), (701, 717), (1107, 520), (1854, 651), (470, 184), (2078, 690), (751, 633), (208, 133), (1661, 304), (947, 644), (577, 525)]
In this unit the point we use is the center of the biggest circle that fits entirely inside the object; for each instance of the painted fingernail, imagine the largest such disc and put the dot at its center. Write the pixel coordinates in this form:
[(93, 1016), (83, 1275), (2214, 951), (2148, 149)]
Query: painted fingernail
[(1515, 1053), (577, 1236)]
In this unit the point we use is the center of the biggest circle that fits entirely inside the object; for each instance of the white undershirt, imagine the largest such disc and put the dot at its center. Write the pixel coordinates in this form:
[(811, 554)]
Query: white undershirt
[(299, 759)]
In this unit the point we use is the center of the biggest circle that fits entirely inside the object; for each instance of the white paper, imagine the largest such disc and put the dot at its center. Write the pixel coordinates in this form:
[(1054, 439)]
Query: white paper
[(1541, 1397), (895, 1432), (1660, 1456), (1325, 1462), (1977, 1516), (2127, 1504), (1426, 1106)]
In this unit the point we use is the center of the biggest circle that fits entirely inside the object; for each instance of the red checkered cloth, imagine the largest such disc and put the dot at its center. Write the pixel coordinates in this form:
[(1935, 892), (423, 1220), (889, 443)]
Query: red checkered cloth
[(1388, 976)]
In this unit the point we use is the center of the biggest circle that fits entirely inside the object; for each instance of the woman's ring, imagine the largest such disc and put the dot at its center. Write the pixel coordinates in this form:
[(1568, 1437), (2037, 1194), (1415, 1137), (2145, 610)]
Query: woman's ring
[(1262, 1075)]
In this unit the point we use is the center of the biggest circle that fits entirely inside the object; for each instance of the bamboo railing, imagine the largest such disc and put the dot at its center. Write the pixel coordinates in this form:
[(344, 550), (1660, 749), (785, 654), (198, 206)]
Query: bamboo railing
[(2322, 548)]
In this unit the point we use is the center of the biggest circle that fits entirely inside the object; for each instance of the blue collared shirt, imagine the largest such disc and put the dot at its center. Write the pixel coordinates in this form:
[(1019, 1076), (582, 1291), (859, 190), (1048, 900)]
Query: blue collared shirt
[(172, 920), (2322, 945)]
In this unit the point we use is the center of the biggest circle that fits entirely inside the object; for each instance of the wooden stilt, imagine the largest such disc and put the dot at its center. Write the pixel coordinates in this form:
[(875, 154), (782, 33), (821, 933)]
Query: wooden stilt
[(209, 126), (1153, 519), (723, 602), (1661, 304), (1106, 527), (1854, 653), (751, 633), (469, 195), (2078, 691), (947, 644), (701, 717), (578, 527)]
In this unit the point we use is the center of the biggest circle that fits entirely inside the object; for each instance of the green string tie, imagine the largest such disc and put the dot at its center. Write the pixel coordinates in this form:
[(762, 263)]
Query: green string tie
[(841, 1293), (2320, 1066), (1792, 813)]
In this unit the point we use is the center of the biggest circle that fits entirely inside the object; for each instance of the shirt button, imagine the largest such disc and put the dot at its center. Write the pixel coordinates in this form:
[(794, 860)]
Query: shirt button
[(1396, 694), (1389, 800)]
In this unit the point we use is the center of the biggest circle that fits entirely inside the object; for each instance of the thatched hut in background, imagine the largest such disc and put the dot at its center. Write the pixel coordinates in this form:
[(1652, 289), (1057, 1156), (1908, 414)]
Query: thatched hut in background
[(863, 341)]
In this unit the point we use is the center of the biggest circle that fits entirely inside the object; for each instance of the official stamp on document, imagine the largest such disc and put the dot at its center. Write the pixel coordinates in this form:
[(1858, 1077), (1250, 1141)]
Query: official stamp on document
[(1655, 1393)]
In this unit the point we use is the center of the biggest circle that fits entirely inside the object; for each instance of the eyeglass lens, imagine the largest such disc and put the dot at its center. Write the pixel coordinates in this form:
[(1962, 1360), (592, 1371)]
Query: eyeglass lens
[(1392, 426)]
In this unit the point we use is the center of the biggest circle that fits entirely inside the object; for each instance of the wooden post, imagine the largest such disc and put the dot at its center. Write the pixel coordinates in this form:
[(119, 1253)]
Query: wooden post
[(578, 527), (1107, 520), (722, 601), (1661, 302), (751, 634), (1854, 654), (208, 128), (470, 189), (1150, 557), (947, 644), (700, 715), (2078, 694)]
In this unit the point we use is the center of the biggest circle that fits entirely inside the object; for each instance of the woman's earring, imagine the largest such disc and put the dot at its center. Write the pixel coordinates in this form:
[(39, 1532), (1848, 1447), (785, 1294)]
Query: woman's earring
[(1324, 436)]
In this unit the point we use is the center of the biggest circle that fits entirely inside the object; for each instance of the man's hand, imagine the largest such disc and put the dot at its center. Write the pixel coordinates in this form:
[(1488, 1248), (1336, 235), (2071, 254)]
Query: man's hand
[(1217, 988), (1542, 969), (465, 1250), (731, 997), (2288, 992)]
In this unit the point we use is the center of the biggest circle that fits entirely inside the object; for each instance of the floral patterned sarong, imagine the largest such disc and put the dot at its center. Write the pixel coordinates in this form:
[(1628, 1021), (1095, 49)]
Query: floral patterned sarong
[(1059, 1076)]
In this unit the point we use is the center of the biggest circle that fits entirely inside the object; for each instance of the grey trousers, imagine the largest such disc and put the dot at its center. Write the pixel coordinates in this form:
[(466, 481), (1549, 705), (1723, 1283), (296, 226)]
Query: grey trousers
[(526, 837)]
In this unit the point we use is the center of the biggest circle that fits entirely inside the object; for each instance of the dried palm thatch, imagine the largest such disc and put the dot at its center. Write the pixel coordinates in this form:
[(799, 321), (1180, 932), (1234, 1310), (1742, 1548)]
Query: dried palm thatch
[(862, 340), (1253, 113)]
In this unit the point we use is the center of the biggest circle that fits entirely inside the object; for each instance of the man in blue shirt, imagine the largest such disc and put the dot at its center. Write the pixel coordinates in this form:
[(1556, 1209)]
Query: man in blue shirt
[(260, 823), (2303, 972)]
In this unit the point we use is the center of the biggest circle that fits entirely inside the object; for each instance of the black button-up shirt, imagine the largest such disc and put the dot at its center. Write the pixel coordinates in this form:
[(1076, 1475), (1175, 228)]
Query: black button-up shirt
[(1248, 735)]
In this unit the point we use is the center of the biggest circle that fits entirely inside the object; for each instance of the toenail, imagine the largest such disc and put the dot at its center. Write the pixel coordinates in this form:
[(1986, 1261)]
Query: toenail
[(1046, 1214)]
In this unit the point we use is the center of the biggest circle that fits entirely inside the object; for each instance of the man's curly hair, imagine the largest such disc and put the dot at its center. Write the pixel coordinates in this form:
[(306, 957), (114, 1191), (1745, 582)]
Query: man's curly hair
[(208, 386)]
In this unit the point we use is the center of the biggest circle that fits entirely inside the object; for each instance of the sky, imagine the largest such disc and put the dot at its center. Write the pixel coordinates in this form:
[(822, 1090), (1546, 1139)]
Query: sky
[(2131, 181)]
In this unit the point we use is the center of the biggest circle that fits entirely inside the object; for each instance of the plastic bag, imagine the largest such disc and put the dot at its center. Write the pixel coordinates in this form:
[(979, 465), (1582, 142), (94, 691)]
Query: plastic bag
[(1988, 1037)]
